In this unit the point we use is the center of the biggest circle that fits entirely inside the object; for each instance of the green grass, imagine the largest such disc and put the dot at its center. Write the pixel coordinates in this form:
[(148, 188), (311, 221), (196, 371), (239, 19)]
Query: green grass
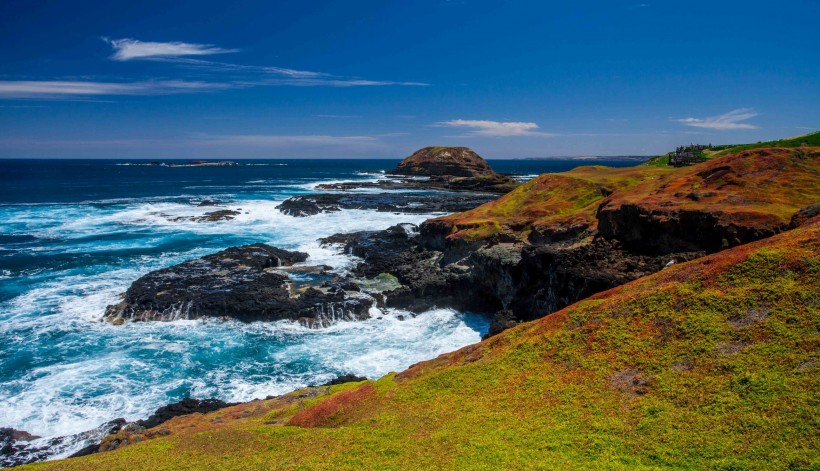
[(809, 140)]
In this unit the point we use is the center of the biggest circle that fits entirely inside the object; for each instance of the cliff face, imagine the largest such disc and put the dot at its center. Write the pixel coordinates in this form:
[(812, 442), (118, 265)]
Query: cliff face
[(707, 364), (592, 228), (721, 203), (441, 161)]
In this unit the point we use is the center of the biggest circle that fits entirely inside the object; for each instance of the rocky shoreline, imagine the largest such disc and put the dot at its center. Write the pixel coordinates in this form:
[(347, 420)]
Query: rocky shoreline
[(511, 275)]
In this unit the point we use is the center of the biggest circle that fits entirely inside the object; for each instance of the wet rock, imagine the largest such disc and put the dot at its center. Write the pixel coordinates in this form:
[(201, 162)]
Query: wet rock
[(497, 185), (183, 407), (213, 216), (221, 215), (512, 282), (19, 448), (501, 321), (302, 206), (246, 283)]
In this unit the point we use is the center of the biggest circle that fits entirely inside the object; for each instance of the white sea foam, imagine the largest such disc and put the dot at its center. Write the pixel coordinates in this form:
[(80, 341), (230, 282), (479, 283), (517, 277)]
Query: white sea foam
[(84, 372)]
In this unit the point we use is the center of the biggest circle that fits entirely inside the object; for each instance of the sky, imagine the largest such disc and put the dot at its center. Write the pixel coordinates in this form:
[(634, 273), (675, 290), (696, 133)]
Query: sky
[(380, 79)]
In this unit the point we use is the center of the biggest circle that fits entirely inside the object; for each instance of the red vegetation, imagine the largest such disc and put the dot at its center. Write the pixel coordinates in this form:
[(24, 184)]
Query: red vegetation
[(335, 409)]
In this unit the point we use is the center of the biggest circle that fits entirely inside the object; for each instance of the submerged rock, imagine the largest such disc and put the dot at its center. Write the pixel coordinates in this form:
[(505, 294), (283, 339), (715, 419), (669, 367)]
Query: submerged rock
[(244, 283), (409, 203)]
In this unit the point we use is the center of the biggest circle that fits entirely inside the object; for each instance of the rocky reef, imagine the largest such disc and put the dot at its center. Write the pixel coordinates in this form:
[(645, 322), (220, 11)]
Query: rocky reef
[(247, 283)]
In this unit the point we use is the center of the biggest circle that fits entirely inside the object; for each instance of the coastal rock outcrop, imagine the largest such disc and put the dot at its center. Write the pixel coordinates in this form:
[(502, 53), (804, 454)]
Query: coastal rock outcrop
[(718, 204), (453, 169), (439, 161), (246, 283), (562, 238)]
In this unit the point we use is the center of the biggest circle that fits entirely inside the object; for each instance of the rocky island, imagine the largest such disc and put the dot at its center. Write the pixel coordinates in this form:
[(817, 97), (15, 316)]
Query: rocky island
[(446, 179)]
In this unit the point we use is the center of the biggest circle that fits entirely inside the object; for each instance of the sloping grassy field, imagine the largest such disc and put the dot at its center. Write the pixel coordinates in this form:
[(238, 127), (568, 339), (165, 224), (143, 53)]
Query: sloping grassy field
[(712, 364), (768, 185)]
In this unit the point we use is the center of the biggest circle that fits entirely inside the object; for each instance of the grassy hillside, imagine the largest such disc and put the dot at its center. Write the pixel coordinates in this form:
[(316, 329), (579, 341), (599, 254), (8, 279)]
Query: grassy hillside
[(807, 140), (767, 184), (708, 364)]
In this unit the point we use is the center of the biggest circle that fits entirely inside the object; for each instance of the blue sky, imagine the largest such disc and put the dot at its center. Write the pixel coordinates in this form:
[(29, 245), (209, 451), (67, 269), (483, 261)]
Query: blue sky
[(215, 79)]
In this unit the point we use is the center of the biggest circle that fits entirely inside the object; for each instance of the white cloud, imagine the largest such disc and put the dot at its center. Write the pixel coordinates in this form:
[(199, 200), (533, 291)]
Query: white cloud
[(494, 128), (174, 52), (727, 121), (57, 89), (229, 67), (129, 49)]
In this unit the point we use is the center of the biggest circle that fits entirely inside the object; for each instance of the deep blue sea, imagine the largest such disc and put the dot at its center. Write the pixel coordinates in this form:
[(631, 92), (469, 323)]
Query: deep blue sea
[(75, 233)]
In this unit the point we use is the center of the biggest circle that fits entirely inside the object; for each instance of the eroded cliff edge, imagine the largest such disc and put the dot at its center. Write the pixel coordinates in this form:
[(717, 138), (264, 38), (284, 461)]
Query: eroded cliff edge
[(563, 237)]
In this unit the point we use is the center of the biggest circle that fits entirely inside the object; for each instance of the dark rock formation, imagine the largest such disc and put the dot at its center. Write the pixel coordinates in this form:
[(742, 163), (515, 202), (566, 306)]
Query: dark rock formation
[(183, 407), (409, 203), (212, 216), (494, 184), (438, 161), (805, 215), (241, 283), (512, 282), (443, 168), (348, 378), (653, 230), (19, 448)]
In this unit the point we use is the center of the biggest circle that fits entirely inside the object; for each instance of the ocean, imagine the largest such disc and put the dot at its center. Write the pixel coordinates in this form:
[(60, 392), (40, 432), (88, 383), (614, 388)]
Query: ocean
[(75, 233)]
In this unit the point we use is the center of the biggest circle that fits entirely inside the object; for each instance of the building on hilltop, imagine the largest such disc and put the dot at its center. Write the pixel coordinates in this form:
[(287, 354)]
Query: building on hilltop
[(687, 155)]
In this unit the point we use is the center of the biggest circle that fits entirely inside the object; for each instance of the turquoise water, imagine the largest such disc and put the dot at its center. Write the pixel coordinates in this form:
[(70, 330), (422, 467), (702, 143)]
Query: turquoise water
[(75, 234)]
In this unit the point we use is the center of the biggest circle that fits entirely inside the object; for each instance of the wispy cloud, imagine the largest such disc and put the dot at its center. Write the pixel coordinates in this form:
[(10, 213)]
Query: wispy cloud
[(494, 128), (57, 89), (178, 53), (130, 49), (223, 75), (727, 121), (229, 67)]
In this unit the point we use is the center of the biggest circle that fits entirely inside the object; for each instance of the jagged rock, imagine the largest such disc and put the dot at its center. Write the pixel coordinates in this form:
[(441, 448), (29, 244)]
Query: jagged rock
[(183, 407), (513, 282), (241, 283), (301, 206), (19, 448), (501, 321)]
